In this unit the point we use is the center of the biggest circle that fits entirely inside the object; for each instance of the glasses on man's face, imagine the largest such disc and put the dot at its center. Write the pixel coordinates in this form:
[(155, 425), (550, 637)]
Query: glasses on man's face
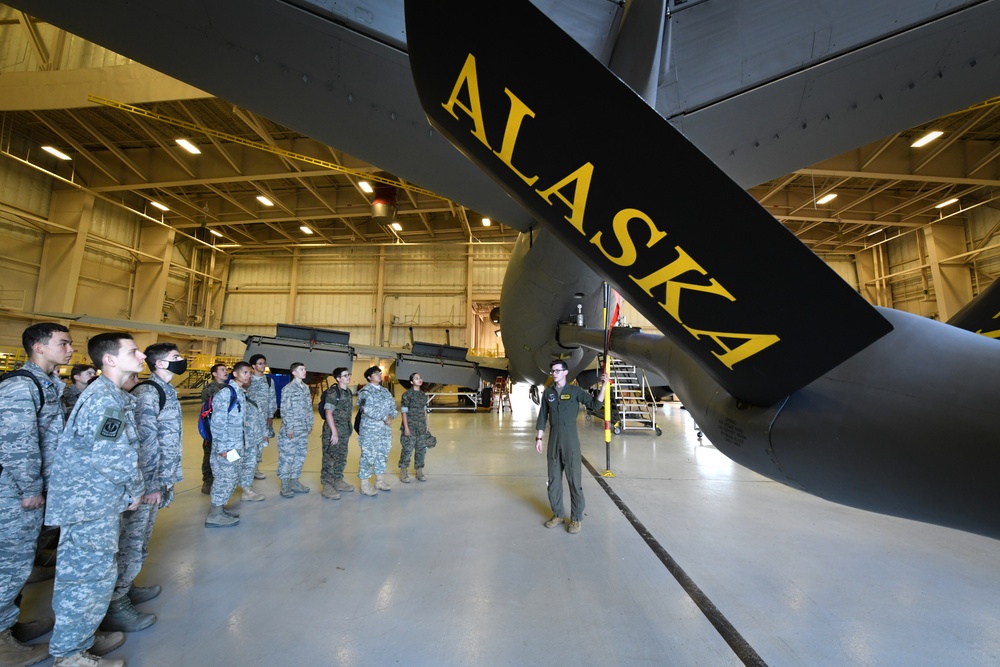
[(344, 376), (558, 370)]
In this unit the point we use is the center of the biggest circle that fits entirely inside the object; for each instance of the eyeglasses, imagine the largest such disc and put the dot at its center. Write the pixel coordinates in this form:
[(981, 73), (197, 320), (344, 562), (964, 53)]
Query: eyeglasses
[(558, 370), (344, 376)]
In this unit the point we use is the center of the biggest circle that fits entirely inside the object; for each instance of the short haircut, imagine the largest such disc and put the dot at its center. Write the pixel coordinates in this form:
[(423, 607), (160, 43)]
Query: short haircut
[(216, 367), (158, 351), (412, 374), (80, 368), (40, 333), (295, 364), (338, 371), (254, 359), (105, 343), (559, 362), (240, 365), (371, 371)]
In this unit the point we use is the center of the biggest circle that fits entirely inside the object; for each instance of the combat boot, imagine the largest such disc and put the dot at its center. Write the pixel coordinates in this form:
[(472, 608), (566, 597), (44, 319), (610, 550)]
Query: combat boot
[(85, 659), (217, 517), (286, 488), (106, 642), (25, 632), (228, 512), (206, 487), (257, 474), (367, 488), (123, 617), (381, 484), (330, 492), (404, 475), (298, 487), (15, 654), (341, 485), (140, 594), (421, 477), (251, 496)]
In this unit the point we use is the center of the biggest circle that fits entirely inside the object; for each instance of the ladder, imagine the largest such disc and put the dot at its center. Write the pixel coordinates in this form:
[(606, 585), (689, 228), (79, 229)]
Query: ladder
[(633, 398), (501, 395)]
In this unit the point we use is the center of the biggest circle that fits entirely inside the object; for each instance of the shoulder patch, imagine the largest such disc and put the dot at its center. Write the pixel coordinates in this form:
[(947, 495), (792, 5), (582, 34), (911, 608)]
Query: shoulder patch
[(550, 397), (109, 428)]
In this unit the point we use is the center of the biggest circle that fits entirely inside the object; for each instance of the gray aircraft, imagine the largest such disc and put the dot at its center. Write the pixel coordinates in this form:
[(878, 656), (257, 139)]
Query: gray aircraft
[(786, 369)]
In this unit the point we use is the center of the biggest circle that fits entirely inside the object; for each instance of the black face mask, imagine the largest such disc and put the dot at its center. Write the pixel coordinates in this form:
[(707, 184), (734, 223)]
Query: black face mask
[(177, 367)]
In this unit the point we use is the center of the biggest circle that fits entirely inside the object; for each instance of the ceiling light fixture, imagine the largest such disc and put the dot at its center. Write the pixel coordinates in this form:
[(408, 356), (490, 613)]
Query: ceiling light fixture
[(159, 205), (215, 233), (926, 139), (366, 186), (487, 222), (826, 199), (398, 227), (188, 146), (58, 153), (947, 202), (306, 229), (877, 231), (264, 200)]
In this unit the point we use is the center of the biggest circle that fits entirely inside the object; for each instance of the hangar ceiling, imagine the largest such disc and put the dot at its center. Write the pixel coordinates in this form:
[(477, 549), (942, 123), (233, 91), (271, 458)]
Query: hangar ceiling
[(129, 155)]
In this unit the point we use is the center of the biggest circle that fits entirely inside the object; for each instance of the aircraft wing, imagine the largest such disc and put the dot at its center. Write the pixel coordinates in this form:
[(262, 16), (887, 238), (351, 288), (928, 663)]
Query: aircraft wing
[(535, 117)]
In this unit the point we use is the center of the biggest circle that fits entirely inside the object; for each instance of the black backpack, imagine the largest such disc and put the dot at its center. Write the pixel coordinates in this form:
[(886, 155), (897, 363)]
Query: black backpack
[(20, 372), (159, 390)]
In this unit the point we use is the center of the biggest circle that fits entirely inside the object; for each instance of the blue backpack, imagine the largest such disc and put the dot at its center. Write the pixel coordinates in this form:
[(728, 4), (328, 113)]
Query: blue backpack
[(205, 418)]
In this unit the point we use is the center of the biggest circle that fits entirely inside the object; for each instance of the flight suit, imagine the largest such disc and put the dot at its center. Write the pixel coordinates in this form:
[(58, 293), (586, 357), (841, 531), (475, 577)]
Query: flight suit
[(335, 456), (561, 407), (95, 476), (297, 417), (375, 403), (414, 404)]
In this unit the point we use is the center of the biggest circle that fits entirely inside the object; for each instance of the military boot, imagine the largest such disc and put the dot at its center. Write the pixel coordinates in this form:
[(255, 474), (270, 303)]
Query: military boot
[(286, 488), (404, 475), (367, 488), (217, 517), (85, 659), (341, 485), (298, 487), (106, 642), (15, 654), (123, 617), (228, 512), (140, 594), (421, 477), (330, 492), (381, 484), (25, 632), (206, 487), (251, 496)]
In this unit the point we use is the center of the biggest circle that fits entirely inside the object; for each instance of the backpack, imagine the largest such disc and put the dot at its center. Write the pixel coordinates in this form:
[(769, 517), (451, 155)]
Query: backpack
[(20, 372), (329, 392), (205, 418), (159, 390), (357, 422)]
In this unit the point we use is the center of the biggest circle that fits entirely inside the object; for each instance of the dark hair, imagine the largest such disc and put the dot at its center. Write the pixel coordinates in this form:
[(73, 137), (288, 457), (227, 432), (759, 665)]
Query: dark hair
[(552, 364), (105, 343), (40, 333), (338, 371), (371, 371), (412, 374), (295, 364), (216, 367), (254, 359), (158, 351), (80, 368), (240, 365)]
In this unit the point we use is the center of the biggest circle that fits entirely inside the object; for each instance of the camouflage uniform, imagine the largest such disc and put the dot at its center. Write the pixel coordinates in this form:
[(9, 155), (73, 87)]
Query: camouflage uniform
[(297, 417), (227, 434), (375, 438), (70, 396), (335, 456), (562, 406), (95, 476), (255, 435), (414, 405), (261, 390), (207, 392), (160, 464), (27, 438)]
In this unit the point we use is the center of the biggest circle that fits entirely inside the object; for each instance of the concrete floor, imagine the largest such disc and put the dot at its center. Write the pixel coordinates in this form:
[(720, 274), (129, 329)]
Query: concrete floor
[(460, 571)]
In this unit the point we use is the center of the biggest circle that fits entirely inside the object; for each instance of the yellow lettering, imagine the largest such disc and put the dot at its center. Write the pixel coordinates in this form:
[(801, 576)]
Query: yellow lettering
[(666, 276), (990, 334), (732, 356), (518, 110), (620, 226), (582, 176), (468, 79)]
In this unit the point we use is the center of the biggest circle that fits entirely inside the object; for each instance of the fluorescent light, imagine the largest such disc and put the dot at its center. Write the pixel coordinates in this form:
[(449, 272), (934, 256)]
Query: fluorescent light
[(306, 229), (264, 200), (215, 233), (53, 151), (398, 227), (188, 146), (947, 202), (826, 199), (926, 139), (159, 206), (877, 231), (365, 186), (487, 222)]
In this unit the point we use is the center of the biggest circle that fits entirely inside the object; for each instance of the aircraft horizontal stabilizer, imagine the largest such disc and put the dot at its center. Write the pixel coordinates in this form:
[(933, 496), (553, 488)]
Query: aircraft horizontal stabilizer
[(567, 140)]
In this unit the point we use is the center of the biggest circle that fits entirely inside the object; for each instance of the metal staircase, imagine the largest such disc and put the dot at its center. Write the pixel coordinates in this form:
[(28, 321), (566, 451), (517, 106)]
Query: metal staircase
[(633, 400)]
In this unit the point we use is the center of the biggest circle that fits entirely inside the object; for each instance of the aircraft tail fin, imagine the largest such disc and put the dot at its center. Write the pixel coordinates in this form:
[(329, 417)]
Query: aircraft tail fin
[(982, 314), (634, 199)]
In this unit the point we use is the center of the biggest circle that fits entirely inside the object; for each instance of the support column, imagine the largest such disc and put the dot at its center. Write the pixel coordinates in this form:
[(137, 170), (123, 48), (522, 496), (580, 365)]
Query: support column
[(62, 252), (952, 282), (864, 264), (379, 297), (293, 288), (471, 340), (151, 278)]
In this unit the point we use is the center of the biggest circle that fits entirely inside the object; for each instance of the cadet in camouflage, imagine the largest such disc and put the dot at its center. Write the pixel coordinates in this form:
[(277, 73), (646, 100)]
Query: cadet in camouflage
[(297, 420), (228, 435), (336, 434), (413, 430), (378, 409), (79, 377), (95, 477), (261, 390), (255, 437), (220, 378), (27, 429)]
